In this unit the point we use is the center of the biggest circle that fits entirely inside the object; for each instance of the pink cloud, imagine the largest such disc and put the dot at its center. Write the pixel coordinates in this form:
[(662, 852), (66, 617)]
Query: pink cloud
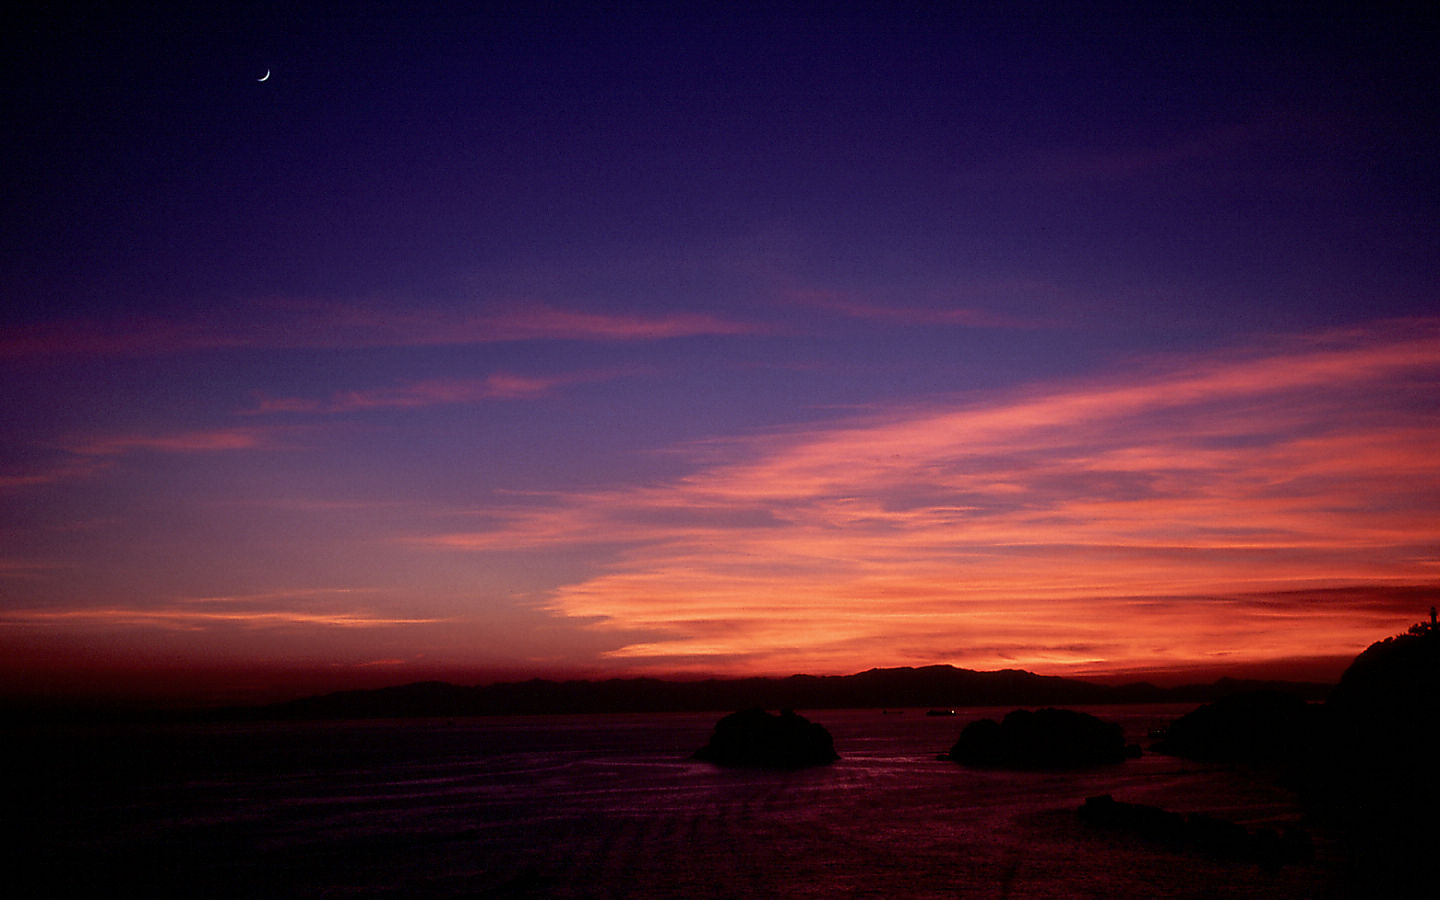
[(209, 441), (1153, 515), (354, 325), (58, 472), (430, 392), (362, 325), (940, 314), (179, 618), (25, 569), (312, 607), (142, 337)]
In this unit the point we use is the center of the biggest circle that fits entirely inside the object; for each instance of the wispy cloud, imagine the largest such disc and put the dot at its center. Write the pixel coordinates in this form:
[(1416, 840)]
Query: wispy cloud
[(325, 608), (430, 392), (49, 340), (191, 618), (25, 569), (202, 441), (292, 325), (58, 471), (1140, 159), (1158, 514), (941, 313), (87, 456)]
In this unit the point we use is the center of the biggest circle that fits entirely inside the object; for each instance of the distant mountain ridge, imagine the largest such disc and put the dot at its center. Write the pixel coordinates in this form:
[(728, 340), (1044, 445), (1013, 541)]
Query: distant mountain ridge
[(937, 686)]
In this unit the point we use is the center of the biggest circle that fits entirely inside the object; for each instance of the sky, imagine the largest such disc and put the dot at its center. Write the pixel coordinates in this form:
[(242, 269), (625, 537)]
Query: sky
[(496, 341)]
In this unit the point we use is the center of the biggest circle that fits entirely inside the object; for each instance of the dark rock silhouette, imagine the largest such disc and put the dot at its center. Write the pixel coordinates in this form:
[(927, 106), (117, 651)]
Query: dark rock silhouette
[(1363, 761), (1381, 721), (1374, 773), (755, 738), (1200, 832), (1151, 822), (1394, 685), (1257, 727), (1045, 738)]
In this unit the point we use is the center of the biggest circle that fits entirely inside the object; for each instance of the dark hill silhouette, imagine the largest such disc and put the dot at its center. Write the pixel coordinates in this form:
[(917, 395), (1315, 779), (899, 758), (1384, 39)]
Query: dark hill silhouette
[(928, 686)]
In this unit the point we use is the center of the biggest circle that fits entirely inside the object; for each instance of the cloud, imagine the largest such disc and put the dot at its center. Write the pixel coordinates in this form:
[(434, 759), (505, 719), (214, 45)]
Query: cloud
[(90, 338), (203, 441), (88, 456), (57, 472), (331, 325), (25, 569), (189, 618), (430, 392), (1160, 513), (274, 609), (944, 313), (1183, 150), (545, 322)]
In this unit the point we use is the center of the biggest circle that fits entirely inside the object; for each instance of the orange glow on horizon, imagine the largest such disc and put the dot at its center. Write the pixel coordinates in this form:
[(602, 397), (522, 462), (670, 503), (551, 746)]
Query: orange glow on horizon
[(641, 345), (1171, 517), (1222, 513)]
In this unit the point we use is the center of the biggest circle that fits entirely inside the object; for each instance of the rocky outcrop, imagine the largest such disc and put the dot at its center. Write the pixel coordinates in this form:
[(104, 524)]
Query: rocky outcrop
[(1375, 770), (758, 739), (1199, 832), (1364, 761), (1042, 739), (1394, 686), (1257, 727)]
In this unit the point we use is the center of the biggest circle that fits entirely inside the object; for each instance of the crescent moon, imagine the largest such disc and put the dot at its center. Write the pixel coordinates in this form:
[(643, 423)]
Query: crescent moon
[(264, 77)]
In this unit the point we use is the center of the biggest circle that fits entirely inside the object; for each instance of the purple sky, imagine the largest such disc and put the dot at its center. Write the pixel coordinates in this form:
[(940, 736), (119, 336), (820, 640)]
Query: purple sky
[(483, 341)]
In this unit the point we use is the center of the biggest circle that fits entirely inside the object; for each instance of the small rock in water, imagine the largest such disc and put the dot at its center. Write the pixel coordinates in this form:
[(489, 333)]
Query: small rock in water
[(1200, 832), (758, 739), (1045, 738)]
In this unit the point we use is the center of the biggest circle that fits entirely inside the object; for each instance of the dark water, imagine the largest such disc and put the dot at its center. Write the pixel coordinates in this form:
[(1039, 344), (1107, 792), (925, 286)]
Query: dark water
[(606, 806)]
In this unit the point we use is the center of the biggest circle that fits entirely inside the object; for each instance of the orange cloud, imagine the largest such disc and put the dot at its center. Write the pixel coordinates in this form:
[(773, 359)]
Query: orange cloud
[(189, 618), (1185, 513), (305, 607)]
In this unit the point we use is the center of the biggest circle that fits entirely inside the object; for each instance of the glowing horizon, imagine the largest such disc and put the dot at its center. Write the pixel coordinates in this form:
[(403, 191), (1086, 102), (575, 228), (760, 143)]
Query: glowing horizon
[(1230, 510), (691, 343), (1043, 521)]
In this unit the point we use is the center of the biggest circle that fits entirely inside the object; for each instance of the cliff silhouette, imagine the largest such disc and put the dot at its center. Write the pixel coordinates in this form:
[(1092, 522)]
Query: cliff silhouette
[(1364, 760), (1375, 770), (1394, 684)]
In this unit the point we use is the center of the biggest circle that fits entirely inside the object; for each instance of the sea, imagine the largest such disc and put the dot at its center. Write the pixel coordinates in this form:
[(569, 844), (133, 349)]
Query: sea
[(610, 806)]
